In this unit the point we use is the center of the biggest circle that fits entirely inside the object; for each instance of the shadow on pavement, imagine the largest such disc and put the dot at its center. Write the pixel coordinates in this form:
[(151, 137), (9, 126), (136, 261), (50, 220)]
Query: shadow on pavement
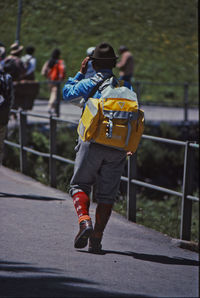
[(30, 281), (151, 258), (24, 267), (30, 197)]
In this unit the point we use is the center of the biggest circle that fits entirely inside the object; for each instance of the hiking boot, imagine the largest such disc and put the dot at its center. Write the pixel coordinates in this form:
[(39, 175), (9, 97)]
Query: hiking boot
[(84, 233), (95, 246)]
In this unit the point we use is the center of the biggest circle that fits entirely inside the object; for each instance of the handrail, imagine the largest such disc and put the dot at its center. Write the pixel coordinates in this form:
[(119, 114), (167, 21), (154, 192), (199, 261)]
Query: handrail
[(167, 83), (164, 140), (152, 186)]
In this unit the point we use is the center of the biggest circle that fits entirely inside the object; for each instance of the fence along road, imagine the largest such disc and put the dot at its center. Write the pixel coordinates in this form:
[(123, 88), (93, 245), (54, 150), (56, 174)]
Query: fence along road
[(38, 226), (186, 210)]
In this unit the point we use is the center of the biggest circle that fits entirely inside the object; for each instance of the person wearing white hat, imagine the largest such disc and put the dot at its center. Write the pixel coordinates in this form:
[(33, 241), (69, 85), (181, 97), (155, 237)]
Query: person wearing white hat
[(90, 70)]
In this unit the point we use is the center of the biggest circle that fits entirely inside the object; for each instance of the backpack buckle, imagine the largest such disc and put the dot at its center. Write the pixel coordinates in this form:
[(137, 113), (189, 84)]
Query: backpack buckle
[(109, 126)]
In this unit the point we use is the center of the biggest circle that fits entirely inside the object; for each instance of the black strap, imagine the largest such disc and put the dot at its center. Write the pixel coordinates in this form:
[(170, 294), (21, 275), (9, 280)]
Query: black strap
[(94, 90), (3, 83)]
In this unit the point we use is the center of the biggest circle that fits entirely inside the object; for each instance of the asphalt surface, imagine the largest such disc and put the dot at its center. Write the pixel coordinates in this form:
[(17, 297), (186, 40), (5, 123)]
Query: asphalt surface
[(37, 258), (153, 114)]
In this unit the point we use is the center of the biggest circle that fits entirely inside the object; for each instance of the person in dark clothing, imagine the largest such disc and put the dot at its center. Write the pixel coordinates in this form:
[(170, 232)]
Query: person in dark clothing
[(6, 102), (13, 64)]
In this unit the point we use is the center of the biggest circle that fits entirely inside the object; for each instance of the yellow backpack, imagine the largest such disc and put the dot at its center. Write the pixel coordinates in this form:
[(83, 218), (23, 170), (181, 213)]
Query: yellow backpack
[(113, 120)]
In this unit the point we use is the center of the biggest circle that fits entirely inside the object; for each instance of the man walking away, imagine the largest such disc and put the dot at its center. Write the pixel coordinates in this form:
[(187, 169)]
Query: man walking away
[(95, 163)]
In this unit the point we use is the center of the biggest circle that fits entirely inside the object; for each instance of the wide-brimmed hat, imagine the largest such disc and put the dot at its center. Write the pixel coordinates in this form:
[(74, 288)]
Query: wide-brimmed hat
[(15, 48), (104, 51)]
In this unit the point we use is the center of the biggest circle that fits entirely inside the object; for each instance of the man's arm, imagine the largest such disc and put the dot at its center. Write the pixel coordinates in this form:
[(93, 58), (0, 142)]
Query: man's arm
[(77, 87)]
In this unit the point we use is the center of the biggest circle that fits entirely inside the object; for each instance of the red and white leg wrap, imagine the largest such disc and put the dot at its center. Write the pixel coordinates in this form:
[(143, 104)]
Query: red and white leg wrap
[(81, 203)]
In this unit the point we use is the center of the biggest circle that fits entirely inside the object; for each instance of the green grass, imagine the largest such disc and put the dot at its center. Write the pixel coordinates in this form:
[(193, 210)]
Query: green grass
[(161, 34), (162, 215)]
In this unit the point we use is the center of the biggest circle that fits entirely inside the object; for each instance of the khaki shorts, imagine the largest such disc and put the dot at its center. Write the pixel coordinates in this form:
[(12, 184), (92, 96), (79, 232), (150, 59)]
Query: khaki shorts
[(99, 165)]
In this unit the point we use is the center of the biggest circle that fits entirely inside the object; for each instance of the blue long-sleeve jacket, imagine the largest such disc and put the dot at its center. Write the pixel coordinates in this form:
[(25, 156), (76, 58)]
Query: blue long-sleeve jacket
[(79, 87)]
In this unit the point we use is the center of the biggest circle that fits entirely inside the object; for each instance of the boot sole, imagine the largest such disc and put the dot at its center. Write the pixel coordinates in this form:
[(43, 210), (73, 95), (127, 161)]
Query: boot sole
[(82, 240)]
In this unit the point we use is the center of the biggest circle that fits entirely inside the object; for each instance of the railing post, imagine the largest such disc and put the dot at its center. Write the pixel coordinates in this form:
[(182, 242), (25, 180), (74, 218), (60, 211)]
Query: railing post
[(52, 161), (186, 208), (131, 188), (23, 141), (186, 89), (19, 14), (138, 91), (58, 98)]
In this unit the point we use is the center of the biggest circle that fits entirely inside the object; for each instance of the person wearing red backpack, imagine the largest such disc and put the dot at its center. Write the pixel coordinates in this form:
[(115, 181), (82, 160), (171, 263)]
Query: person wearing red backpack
[(54, 71)]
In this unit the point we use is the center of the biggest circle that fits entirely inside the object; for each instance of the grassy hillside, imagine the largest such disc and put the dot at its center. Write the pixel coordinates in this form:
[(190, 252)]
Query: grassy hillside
[(161, 34)]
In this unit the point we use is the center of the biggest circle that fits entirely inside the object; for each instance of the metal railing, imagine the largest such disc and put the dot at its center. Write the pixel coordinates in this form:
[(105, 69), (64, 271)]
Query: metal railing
[(138, 89), (131, 179), (186, 86)]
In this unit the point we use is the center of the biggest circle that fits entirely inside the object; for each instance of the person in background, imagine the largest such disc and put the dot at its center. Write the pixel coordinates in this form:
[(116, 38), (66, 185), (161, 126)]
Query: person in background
[(2, 55), (6, 101), (30, 63), (95, 163), (90, 70), (54, 70), (13, 64), (126, 64)]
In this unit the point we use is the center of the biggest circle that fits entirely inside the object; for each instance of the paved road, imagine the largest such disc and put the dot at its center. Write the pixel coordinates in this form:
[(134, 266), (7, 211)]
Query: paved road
[(37, 258), (155, 114)]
